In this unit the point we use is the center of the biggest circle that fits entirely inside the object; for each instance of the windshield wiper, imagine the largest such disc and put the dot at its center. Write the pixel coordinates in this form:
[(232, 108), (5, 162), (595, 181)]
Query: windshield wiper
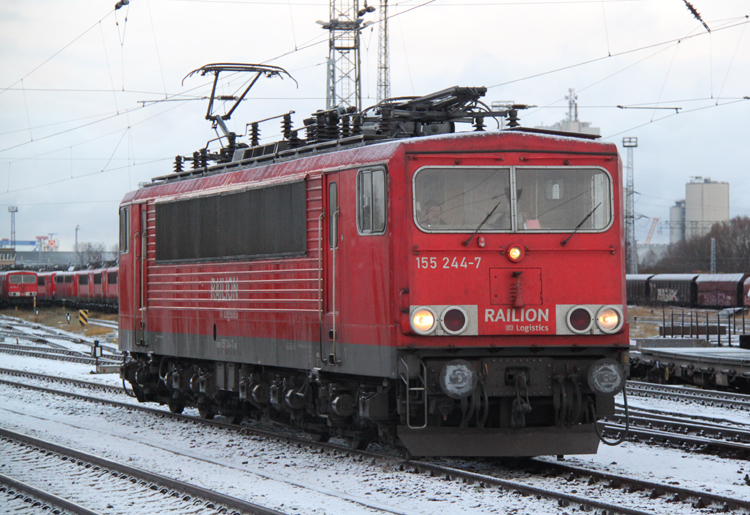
[(580, 224), (483, 222)]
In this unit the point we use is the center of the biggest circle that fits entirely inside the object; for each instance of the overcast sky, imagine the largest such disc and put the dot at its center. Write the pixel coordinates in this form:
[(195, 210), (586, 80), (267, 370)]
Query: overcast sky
[(75, 137)]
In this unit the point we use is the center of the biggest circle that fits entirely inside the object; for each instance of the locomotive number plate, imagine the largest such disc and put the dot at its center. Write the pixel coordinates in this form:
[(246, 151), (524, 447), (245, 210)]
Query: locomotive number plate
[(448, 262)]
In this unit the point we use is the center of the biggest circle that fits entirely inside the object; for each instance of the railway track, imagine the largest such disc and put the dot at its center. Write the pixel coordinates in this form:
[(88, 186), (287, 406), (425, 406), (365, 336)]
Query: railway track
[(709, 428), (704, 397), (58, 354), (20, 497), (103, 323), (9, 325), (485, 478), (89, 482)]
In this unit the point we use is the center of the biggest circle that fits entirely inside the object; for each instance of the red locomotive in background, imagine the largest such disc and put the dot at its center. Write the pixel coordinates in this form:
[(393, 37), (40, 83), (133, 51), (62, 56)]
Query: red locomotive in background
[(17, 287), (387, 280), (86, 289)]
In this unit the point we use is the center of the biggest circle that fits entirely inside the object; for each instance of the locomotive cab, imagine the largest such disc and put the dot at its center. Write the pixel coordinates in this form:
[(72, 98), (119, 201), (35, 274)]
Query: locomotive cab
[(513, 315)]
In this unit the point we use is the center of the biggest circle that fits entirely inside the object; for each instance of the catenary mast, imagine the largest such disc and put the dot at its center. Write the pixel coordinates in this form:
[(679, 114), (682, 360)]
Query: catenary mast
[(631, 250), (384, 70), (343, 81)]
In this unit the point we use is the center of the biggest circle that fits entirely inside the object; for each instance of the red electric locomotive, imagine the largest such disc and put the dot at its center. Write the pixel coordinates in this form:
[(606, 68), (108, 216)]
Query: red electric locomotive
[(387, 279), (46, 287), (18, 287), (110, 288), (66, 288)]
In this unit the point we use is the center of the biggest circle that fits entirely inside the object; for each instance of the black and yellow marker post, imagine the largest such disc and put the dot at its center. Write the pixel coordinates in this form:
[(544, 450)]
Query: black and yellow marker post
[(83, 316)]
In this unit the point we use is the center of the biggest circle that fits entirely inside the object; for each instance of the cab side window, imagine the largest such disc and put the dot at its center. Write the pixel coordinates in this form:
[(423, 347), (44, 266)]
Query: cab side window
[(371, 203), (124, 232)]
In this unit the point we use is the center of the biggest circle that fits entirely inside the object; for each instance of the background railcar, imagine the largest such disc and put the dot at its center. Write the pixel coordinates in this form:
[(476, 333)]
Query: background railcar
[(433, 293), (637, 286), (46, 287), (720, 290), (18, 287), (85, 291), (66, 286), (110, 288), (694, 290), (674, 289)]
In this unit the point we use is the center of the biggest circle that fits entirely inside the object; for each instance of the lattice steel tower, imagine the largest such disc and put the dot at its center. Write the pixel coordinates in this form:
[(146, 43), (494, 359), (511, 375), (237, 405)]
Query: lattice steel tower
[(13, 210), (631, 249), (384, 67), (343, 83)]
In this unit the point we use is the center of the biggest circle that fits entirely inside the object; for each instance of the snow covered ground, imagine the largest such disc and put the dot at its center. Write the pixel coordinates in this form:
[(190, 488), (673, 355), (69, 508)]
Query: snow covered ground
[(293, 480)]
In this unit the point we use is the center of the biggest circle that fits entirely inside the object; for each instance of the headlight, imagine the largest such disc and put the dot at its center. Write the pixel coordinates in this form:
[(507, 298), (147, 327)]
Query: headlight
[(609, 319), (606, 377), (458, 379), (423, 320), (515, 253), (580, 319), (454, 320)]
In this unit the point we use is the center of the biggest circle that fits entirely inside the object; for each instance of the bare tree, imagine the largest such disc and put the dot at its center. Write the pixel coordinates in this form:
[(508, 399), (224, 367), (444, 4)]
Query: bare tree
[(691, 256), (90, 253)]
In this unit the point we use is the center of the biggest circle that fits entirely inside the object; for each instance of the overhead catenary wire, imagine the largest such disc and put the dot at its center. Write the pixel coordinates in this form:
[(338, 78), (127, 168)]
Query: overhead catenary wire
[(712, 106), (99, 171), (414, 7), (664, 84), (731, 62), (109, 68), (156, 46), (3, 90), (83, 176), (551, 105), (28, 118), (616, 54)]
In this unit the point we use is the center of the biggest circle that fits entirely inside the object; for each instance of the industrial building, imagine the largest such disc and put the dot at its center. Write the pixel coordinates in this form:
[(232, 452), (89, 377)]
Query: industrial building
[(706, 203)]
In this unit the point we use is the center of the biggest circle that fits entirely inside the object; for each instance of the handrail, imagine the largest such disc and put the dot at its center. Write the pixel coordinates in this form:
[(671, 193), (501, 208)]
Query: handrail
[(320, 284)]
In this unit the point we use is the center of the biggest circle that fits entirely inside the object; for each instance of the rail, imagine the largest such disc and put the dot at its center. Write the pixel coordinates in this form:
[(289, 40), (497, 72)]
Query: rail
[(673, 493)]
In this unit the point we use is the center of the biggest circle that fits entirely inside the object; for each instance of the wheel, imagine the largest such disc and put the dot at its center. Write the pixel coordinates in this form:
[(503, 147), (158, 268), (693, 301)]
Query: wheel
[(206, 413), (176, 406), (357, 444), (319, 437), (236, 418)]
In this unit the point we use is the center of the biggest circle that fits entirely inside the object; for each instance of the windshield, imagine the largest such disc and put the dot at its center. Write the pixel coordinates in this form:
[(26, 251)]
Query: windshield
[(459, 199), (560, 199), (546, 199), (21, 279)]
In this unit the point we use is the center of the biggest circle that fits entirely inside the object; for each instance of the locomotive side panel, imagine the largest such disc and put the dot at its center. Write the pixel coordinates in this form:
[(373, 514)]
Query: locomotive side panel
[(255, 309), (196, 305)]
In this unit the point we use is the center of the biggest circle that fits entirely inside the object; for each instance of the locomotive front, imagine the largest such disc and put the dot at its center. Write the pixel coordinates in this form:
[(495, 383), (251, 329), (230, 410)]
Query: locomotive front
[(512, 335)]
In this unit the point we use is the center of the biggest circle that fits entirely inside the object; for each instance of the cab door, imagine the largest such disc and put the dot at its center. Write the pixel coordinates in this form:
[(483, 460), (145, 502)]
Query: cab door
[(332, 251), (140, 272)]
